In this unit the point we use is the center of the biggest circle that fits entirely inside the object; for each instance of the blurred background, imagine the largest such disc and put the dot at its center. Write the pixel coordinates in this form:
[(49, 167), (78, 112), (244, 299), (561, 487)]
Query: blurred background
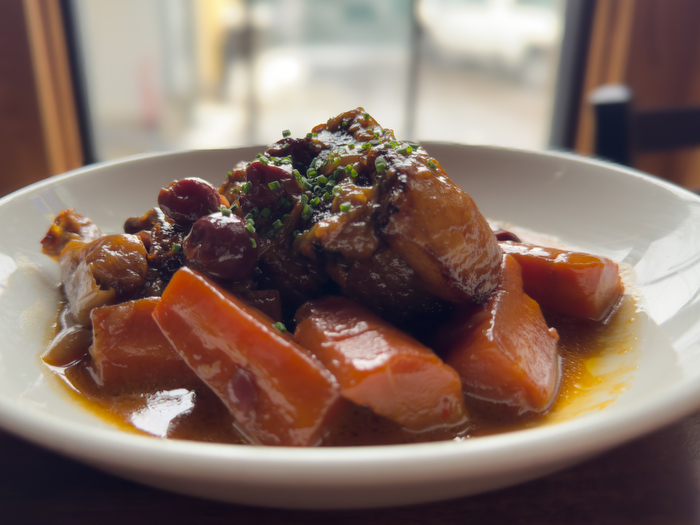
[(180, 74), (83, 81)]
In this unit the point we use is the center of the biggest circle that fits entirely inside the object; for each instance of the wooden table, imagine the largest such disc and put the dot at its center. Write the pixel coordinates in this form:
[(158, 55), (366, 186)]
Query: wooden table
[(653, 480)]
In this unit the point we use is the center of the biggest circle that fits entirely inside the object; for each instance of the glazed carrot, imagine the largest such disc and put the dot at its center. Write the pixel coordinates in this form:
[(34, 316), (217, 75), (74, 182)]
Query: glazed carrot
[(379, 366), (570, 283), (129, 350), (278, 394), (503, 350)]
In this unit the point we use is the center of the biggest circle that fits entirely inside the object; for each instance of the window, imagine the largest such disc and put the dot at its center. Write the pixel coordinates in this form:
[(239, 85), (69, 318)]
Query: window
[(178, 74)]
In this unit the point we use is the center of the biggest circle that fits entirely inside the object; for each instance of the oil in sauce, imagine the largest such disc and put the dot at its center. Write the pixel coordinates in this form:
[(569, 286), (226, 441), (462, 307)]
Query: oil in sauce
[(194, 412)]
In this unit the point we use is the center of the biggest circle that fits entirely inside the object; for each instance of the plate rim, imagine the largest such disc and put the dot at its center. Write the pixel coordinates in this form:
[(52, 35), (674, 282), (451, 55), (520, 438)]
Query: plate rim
[(547, 441)]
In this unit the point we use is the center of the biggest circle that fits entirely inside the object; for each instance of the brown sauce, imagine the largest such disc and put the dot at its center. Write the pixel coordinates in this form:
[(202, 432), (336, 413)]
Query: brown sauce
[(195, 412)]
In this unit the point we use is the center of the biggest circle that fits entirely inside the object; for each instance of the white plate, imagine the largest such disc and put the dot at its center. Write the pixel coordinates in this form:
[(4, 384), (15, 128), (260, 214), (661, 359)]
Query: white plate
[(638, 220)]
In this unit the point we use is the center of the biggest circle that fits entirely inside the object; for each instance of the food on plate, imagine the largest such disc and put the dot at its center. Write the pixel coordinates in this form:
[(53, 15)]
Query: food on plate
[(379, 366), (503, 350), (129, 350), (572, 283), (338, 289), (277, 392)]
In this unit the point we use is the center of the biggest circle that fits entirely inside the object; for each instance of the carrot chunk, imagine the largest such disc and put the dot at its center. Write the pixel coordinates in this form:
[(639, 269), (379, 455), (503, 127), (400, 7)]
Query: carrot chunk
[(503, 351), (571, 283), (379, 366), (278, 394), (129, 350)]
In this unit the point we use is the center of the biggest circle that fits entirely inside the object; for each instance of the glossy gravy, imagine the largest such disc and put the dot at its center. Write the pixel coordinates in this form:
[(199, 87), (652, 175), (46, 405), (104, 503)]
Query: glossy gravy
[(194, 412)]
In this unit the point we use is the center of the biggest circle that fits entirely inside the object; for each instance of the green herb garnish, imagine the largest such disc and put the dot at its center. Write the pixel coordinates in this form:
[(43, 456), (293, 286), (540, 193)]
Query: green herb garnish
[(380, 164)]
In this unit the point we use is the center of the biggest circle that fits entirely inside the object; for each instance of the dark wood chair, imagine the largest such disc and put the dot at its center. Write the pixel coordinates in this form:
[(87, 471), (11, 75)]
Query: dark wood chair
[(621, 130)]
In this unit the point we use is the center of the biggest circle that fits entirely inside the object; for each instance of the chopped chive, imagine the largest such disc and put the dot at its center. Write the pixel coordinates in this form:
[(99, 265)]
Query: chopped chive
[(224, 211), (337, 190), (315, 202), (351, 146), (285, 202), (296, 174), (247, 187), (253, 243), (366, 145), (296, 232), (406, 150), (266, 212), (311, 172), (277, 224), (304, 199), (345, 207), (308, 135), (432, 164), (280, 327), (274, 185), (250, 228), (326, 196), (229, 175), (322, 180), (307, 212), (177, 247), (353, 173), (286, 133), (380, 164)]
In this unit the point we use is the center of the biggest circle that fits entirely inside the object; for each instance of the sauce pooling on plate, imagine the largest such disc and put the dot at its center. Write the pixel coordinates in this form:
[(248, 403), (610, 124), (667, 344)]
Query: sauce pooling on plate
[(196, 413), (337, 290)]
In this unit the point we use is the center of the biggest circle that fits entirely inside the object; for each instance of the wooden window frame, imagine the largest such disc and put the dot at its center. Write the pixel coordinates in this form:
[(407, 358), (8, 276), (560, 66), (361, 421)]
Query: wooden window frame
[(39, 121)]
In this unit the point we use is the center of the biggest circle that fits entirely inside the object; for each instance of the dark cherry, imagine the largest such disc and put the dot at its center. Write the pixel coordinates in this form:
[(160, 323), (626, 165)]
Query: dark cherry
[(220, 246), (186, 200), (505, 235), (261, 194)]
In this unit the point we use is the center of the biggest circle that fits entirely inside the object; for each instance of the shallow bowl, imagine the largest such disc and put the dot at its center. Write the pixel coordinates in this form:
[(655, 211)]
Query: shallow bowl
[(649, 226)]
